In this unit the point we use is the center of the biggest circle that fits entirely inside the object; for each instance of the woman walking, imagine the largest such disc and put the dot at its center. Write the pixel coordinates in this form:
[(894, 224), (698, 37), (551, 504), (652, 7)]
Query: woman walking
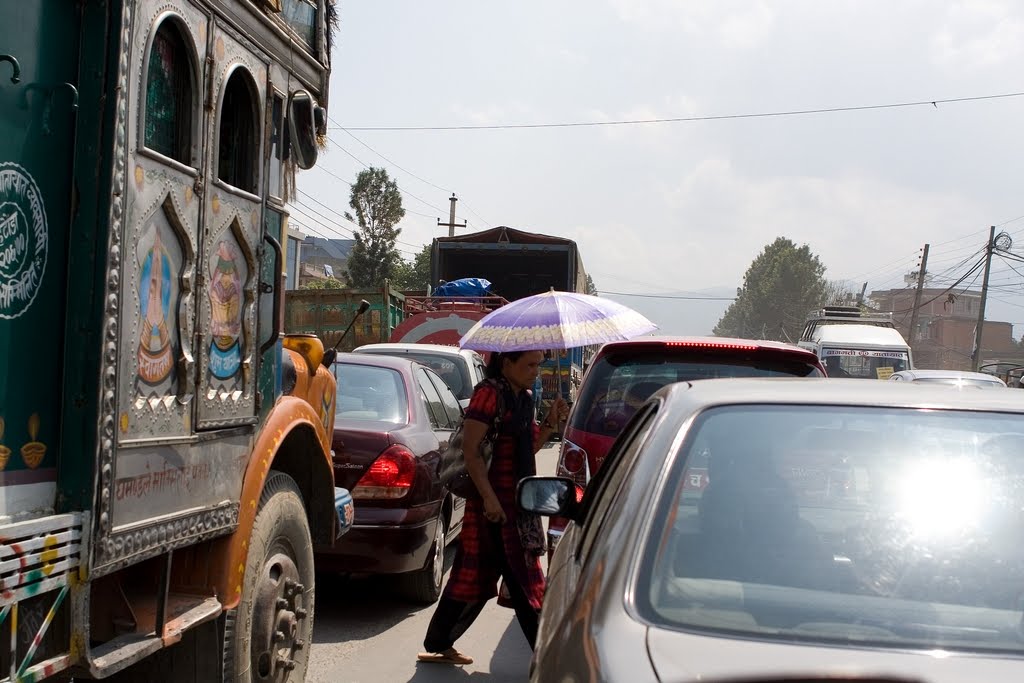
[(497, 541)]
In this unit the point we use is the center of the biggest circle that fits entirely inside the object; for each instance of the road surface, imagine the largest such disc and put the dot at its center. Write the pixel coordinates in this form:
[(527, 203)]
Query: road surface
[(364, 634)]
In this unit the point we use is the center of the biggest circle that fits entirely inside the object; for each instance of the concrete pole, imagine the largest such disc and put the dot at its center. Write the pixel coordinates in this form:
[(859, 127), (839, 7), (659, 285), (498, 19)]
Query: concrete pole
[(451, 224), (976, 361), (917, 296)]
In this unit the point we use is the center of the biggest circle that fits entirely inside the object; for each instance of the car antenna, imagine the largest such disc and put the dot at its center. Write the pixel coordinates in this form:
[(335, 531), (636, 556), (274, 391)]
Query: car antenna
[(332, 352)]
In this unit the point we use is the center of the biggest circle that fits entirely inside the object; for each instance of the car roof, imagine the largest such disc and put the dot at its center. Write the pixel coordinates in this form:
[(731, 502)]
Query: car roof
[(953, 374), (377, 360), (409, 348), (838, 392), (711, 342)]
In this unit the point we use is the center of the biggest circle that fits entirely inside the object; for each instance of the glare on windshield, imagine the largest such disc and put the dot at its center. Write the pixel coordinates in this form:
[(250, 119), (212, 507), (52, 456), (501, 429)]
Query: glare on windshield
[(897, 527)]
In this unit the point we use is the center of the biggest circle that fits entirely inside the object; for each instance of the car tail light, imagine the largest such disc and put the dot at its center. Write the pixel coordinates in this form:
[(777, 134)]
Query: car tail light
[(714, 345), (573, 462), (390, 476)]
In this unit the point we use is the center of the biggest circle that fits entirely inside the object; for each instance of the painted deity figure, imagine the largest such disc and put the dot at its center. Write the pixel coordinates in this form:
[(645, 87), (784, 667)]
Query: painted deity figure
[(155, 352), (225, 308)]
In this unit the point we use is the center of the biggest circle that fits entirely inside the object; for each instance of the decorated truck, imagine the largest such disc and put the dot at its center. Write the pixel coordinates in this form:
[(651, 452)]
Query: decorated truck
[(516, 264), (520, 264), (164, 449)]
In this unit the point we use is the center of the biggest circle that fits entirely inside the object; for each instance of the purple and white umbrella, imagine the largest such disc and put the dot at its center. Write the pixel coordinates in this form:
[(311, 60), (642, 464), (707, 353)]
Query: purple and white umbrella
[(555, 320)]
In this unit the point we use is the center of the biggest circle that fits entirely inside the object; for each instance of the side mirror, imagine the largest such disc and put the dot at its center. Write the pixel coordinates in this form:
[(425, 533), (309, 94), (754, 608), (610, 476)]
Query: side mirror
[(302, 128), (549, 496)]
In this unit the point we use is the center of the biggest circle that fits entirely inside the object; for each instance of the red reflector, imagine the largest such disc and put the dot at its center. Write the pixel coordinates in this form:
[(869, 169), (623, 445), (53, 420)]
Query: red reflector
[(573, 459), (579, 493), (714, 345), (390, 476)]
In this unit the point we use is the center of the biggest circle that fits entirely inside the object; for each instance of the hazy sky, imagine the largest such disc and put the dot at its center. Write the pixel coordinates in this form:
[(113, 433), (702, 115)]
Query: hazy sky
[(661, 208)]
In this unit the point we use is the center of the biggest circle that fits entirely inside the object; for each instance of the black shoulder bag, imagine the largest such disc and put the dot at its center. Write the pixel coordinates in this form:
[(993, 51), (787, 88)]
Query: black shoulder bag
[(452, 467)]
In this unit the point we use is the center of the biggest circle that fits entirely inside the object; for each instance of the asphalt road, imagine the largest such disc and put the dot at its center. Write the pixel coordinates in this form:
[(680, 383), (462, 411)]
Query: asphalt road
[(364, 634)]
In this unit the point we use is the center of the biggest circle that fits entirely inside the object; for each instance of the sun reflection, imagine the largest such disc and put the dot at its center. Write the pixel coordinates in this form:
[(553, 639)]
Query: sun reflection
[(941, 496)]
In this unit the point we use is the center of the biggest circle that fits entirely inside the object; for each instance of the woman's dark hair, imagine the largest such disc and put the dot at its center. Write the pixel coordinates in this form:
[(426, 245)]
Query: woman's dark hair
[(493, 369)]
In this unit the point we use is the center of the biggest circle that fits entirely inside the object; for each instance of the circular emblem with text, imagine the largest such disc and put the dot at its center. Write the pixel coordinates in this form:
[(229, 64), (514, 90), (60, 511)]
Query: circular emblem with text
[(23, 240)]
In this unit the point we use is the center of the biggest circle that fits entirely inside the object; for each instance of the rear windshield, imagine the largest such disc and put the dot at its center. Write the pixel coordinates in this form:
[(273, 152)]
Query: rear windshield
[(961, 382), (850, 525), (370, 394), (452, 369), (619, 383)]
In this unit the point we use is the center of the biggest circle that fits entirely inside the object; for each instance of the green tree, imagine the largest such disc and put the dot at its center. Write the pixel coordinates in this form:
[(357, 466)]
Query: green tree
[(325, 283), (782, 285), (415, 274), (377, 204), (591, 287)]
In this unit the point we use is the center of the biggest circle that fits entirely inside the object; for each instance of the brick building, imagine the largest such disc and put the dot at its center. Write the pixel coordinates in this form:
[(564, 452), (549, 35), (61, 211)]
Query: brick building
[(946, 322)]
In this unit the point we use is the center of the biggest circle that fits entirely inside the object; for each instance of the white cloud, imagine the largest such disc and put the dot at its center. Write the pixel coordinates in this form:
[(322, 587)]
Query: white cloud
[(738, 24), (495, 114), (722, 219), (979, 33)]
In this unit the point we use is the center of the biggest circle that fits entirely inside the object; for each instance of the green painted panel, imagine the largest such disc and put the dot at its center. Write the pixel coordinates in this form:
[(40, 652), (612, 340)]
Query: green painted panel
[(37, 128), (270, 361)]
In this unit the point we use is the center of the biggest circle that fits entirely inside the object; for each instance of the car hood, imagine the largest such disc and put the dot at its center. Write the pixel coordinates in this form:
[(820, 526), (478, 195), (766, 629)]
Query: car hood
[(678, 656)]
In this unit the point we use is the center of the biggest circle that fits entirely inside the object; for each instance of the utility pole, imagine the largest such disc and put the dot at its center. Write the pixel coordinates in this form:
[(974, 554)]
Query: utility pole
[(917, 295), (451, 224), (989, 248)]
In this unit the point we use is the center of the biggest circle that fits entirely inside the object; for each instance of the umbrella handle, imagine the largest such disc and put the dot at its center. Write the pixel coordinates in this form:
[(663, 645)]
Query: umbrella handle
[(558, 374)]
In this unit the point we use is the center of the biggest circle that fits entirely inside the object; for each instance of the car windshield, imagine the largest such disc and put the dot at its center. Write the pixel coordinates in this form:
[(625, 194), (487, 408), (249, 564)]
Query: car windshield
[(619, 383), (370, 393), (891, 527), (961, 382)]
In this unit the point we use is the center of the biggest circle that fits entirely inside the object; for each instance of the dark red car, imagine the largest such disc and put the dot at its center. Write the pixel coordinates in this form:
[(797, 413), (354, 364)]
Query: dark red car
[(393, 418), (623, 375)]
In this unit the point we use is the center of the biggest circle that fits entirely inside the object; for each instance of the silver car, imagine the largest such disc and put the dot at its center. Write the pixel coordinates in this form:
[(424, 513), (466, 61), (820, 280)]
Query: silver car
[(769, 528), (955, 378)]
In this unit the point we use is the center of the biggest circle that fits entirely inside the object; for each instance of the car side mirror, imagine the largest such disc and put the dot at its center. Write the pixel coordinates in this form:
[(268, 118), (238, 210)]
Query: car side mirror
[(549, 496), (302, 128)]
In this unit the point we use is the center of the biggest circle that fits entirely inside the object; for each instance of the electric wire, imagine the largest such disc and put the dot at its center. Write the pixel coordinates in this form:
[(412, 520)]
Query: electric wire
[(687, 119)]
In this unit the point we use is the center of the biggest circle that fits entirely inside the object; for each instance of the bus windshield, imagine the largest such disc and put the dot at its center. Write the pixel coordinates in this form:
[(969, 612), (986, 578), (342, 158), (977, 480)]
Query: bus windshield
[(864, 363)]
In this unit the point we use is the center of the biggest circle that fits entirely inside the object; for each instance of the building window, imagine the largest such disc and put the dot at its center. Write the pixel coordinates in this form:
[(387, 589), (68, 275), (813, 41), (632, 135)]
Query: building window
[(169, 79), (238, 141), (301, 17)]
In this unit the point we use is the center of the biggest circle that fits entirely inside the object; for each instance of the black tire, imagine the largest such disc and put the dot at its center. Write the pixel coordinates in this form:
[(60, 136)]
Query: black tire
[(267, 637), (424, 586)]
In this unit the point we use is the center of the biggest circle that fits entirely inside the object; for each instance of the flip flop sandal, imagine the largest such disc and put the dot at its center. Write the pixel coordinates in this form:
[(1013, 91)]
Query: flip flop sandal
[(452, 656)]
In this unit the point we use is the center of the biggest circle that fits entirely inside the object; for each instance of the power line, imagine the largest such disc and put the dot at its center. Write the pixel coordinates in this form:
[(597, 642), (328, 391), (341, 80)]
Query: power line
[(400, 168), (405, 192), (305, 208), (406, 171), (686, 119), (669, 296), (973, 270)]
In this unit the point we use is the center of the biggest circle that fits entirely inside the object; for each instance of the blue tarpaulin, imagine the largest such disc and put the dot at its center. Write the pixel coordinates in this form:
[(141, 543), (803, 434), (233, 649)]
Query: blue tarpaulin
[(467, 286)]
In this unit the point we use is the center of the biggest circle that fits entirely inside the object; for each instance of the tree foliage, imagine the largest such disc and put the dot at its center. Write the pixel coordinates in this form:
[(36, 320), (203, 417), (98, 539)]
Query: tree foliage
[(591, 287), (324, 283), (377, 204), (415, 274), (781, 286), (838, 292)]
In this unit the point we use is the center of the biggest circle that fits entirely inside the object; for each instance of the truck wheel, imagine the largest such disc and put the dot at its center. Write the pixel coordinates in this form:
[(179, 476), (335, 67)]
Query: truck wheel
[(424, 586), (267, 637)]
